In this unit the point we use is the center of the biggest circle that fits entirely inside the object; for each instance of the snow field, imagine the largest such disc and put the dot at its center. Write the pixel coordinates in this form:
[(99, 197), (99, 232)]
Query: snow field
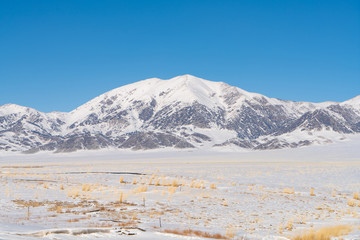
[(214, 194)]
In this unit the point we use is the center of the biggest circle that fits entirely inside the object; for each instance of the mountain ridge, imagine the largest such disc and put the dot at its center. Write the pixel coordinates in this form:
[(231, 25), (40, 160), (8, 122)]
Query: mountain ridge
[(181, 112)]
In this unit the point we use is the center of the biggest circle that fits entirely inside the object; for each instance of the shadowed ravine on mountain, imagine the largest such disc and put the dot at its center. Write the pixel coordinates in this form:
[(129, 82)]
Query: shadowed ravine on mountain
[(180, 113)]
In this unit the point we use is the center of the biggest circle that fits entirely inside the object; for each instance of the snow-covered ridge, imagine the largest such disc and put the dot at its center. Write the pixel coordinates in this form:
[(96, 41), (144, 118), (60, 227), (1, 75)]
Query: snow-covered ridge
[(185, 89), (176, 113)]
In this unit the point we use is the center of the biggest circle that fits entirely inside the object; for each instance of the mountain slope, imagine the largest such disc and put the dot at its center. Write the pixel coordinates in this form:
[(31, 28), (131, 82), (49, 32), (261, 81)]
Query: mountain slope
[(182, 112)]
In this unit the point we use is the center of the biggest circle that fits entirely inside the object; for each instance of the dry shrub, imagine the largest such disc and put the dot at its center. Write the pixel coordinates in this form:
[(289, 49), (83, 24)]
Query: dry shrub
[(140, 189), (86, 187), (130, 223), (230, 232), (289, 225), (73, 220), (151, 179), (289, 190), (196, 233), (356, 195), (312, 192), (103, 225), (58, 209), (325, 233), (213, 186), (353, 203), (333, 194), (172, 190), (174, 183), (280, 229), (121, 199), (73, 193), (163, 180), (29, 203), (121, 179), (200, 184), (134, 181)]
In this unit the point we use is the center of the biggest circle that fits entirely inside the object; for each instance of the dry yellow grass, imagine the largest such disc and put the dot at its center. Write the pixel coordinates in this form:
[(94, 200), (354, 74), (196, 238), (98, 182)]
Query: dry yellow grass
[(230, 232), (151, 179), (183, 184), (73, 220), (121, 199), (312, 192), (134, 181), (59, 209), (163, 181), (356, 195), (192, 183), (140, 189), (225, 203), (121, 179), (29, 203), (175, 183), (288, 190), (333, 194), (353, 202), (289, 225), (200, 184), (190, 232), (325, 233), (86, 187), (73, 193), (280, 229), (171, 190)]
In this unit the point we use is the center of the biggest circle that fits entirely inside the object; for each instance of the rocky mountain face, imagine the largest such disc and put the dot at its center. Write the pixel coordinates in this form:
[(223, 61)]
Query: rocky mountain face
[(184, 112)]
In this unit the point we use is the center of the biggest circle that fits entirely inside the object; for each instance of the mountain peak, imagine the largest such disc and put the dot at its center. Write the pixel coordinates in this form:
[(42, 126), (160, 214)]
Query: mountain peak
[(187, 77)]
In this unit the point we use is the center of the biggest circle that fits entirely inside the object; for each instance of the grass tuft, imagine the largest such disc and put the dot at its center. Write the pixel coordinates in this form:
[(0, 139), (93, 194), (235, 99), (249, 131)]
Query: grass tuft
[(312, 192), (289, 190), (195, 233), (326, 233), (356, 195)]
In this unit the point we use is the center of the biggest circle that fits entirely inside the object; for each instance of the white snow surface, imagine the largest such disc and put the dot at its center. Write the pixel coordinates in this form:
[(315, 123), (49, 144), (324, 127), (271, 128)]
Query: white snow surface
[(249, 197)]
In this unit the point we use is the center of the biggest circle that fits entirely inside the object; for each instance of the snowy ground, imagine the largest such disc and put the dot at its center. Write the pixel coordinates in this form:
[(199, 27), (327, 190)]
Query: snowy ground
[(112, 195)]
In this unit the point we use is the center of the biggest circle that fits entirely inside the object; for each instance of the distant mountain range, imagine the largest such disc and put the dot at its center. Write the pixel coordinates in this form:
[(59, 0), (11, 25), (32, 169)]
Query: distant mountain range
[(184, 112)]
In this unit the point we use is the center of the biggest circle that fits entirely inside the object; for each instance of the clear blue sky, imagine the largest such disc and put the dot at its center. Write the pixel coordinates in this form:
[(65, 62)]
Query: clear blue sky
[(56, 55)]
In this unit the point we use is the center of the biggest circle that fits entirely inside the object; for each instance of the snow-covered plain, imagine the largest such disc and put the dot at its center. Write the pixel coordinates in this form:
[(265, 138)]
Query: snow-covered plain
[(123, 194)]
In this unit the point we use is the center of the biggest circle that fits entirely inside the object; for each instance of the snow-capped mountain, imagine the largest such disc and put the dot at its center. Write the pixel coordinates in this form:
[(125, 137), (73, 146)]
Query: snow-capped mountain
[(182, 112)]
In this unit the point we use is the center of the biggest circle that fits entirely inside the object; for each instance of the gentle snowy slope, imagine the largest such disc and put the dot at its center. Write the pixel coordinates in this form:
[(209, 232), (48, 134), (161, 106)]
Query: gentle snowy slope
[(254, 195)]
